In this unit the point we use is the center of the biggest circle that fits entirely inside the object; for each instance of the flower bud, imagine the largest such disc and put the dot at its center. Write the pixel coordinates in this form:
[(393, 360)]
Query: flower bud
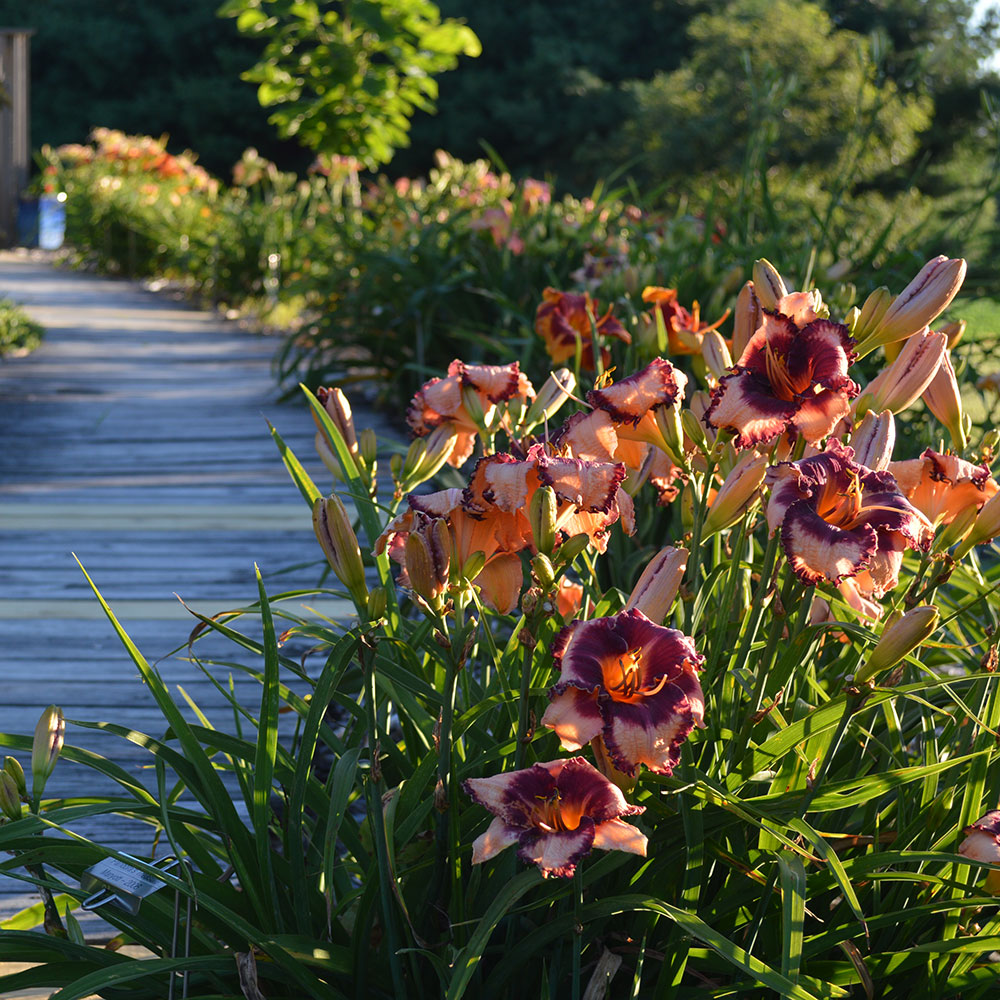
[(340, 546), (473, 406), (10, 801), (13, 767), (715, 353), (473, 565), (987, 526), (376, 604), (49, 735), (668, 423), (541, 566), (736, 494), (917, 305), (657, 587), (873, 440), (898, 639), (339, 410), (982, 844), (746, 319), (767, 284), (438, 448), (694, 430), (369, 446), (957, 529), (874, 308), (954, 332), (944, 400), (905, 380), (572, 547), (542, 516), (556, 390), (427, 579), (415, 457)]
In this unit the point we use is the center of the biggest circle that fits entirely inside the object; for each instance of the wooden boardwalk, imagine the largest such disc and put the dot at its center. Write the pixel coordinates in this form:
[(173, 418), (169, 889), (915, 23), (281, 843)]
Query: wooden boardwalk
[(134, 437)]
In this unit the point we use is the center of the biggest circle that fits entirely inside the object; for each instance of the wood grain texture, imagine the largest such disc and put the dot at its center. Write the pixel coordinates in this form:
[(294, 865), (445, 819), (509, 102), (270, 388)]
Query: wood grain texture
[(136, 438)]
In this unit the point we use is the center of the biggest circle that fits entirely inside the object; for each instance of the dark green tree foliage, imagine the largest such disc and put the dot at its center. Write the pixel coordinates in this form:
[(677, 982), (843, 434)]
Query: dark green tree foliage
[(549, 89), (145, 66), (346, 76)]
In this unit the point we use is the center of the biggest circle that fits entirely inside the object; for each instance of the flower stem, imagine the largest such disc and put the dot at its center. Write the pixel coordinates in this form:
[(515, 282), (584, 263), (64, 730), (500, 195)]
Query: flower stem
[(523, 706), (577, 928)]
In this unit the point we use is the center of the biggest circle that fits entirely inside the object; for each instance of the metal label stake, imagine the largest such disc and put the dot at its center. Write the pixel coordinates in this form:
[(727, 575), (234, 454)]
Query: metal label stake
[(115, 883)]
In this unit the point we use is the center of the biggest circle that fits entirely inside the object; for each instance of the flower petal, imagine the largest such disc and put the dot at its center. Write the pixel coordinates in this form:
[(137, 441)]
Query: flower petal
[(629, 400), (817, 416), (500, 581), (819, 551), (742, 403), (575, 717), (649, 732), (499, 834), (557, 853), (617, 835)]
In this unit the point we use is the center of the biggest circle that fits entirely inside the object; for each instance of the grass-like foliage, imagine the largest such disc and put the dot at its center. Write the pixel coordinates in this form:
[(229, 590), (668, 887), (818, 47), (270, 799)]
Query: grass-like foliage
[(19, 333), (695, 696)]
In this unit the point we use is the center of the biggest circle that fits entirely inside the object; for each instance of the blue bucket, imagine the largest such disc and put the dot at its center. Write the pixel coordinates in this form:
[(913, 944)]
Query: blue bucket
[(51, 221)]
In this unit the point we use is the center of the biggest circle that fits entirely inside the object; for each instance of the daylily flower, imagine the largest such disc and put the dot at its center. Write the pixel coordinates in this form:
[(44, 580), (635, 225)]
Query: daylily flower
[(982, 844), (556, 813), (446, 401), (631, 683), (563, 319), (943, 486), (839, 520), (792, 376), (685, 330)]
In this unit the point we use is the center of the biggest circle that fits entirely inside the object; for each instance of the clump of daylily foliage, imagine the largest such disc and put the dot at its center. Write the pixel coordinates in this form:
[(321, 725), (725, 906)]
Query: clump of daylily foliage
[(673, 681)]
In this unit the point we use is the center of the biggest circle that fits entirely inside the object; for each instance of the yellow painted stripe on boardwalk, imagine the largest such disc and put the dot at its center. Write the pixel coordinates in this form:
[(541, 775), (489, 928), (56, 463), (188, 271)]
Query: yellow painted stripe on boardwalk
[(40, 516), (86, 609)]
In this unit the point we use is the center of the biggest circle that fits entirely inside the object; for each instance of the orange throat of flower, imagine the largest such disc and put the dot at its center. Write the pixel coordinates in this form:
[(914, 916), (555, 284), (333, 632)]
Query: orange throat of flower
[(623, 678), (553, 815), (776, 366)]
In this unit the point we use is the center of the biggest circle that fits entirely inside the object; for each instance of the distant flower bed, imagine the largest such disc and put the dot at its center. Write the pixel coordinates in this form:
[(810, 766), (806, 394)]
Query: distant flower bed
[(388, 280)]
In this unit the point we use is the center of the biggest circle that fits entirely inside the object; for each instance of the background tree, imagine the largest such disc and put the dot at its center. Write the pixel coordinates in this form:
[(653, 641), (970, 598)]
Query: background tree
[(347, 77)]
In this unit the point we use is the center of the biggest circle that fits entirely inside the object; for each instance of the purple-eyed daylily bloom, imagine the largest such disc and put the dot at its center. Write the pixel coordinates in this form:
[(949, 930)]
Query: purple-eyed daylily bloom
[(792, 376), (841, 521), (630, 682), (556, 813)]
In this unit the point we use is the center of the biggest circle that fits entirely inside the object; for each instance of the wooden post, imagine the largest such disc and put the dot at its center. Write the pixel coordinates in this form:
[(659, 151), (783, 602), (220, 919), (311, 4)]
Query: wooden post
[(15, 132)]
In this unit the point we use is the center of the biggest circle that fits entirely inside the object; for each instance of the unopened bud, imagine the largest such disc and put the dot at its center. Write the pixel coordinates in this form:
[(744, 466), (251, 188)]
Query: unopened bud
[(957, 529), (473, 566), (873, 440), (898, 640), (716, 354), (736, 494), (668, 423), (339, 410), (438, 448), (954, 332), (987, 526), (746, 319), (369, 446), (551, 396), (871, 313), (572, 547), (425, 580), (991, 439), (414, 457), (49, 735), (767, 284), (917, 305), (694, 430), (541, 566), (473, 406), (10, 801), (657, 587), (542, 515), (340, 546), (376, 604), (944, 400), (13, 767), (907, 378)]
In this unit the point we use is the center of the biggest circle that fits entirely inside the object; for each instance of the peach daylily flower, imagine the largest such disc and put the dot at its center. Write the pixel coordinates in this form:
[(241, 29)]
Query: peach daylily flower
[(564, 318), (844, 523), (792, 376), (685, 330), (440, 401), (943, 486), (629, 682), (556, 813)]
